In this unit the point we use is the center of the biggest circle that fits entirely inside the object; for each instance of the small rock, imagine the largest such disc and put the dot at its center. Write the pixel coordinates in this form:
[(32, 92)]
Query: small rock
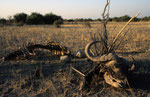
[(65, 59), (80, 54)]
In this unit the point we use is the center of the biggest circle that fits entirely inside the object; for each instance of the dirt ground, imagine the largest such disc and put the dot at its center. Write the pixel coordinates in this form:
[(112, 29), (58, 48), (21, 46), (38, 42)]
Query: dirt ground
[(45, 76)]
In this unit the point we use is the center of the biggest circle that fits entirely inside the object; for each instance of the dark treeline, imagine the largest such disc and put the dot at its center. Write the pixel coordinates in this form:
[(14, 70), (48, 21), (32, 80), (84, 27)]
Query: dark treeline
[(114, 19), (32, 19), (50, 18)]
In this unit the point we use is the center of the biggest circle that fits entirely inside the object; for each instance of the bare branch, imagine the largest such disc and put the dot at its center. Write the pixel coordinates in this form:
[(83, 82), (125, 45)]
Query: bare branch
[(116, 38), (105, 20), (104, 15), (78, 71)]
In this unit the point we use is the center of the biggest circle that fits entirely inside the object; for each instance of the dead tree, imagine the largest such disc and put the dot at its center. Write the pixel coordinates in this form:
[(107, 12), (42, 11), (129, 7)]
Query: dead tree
[(112, 68)]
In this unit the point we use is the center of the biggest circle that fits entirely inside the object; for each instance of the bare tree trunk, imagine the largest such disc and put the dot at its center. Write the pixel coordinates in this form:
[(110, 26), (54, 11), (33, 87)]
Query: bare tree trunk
[(105, 16)]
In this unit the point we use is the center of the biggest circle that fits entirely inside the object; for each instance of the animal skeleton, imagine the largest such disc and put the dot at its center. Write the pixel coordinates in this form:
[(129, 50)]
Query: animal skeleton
[(115, 68), (28, 51)]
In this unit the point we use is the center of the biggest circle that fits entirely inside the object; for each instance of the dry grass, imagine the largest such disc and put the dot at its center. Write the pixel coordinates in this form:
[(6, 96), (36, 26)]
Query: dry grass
[(44, 75)]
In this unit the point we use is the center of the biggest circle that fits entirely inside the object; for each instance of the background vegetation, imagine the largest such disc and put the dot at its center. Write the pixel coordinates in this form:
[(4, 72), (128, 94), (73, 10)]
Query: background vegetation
[(32, 19), (50, 18)]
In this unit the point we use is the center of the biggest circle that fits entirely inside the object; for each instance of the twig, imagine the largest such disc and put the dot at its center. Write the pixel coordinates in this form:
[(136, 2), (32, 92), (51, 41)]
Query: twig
[(114, 41), (96, 49), (92, 38), (105, 46), (78, 71), (130, 89)]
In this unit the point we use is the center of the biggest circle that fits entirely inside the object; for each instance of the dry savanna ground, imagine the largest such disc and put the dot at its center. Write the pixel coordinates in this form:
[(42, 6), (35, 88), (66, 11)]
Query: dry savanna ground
[(45, 76)]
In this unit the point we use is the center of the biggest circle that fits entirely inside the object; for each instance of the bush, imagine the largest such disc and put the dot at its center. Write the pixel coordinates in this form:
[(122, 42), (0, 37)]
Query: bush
[(20, 18), (136, 19), (35, 18), (146, 18), (3, 21), (58, 23), (51, 18), (125, 18)]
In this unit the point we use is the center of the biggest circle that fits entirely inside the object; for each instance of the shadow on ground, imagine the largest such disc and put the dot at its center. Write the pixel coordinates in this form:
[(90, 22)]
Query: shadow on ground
[(131, 53), (139, 81)]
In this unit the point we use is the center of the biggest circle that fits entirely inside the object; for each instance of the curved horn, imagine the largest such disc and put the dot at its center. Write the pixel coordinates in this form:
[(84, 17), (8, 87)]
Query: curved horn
[(87, 52)]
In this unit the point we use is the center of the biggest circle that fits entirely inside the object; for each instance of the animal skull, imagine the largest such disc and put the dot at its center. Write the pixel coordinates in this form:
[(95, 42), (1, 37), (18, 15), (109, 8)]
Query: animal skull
[(116, 68), (115, 73)]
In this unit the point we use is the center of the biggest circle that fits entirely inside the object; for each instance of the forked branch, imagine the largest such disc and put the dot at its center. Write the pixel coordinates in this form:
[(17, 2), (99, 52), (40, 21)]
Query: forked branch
[(105, 20), (104, 14)]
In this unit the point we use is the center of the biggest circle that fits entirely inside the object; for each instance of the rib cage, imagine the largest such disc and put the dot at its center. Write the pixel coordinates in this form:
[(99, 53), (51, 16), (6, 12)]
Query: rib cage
[(28, 51)]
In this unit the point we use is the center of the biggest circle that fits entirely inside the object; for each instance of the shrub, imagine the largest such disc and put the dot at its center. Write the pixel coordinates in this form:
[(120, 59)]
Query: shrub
[(20, 18), (125, 18), (51, 18), (146, 18), (3, 21), (115, 19), (35, 18), (58, 23)]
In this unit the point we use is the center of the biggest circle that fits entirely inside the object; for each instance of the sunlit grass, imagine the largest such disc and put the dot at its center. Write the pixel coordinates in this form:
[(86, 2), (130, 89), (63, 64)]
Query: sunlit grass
[(56, 80)]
